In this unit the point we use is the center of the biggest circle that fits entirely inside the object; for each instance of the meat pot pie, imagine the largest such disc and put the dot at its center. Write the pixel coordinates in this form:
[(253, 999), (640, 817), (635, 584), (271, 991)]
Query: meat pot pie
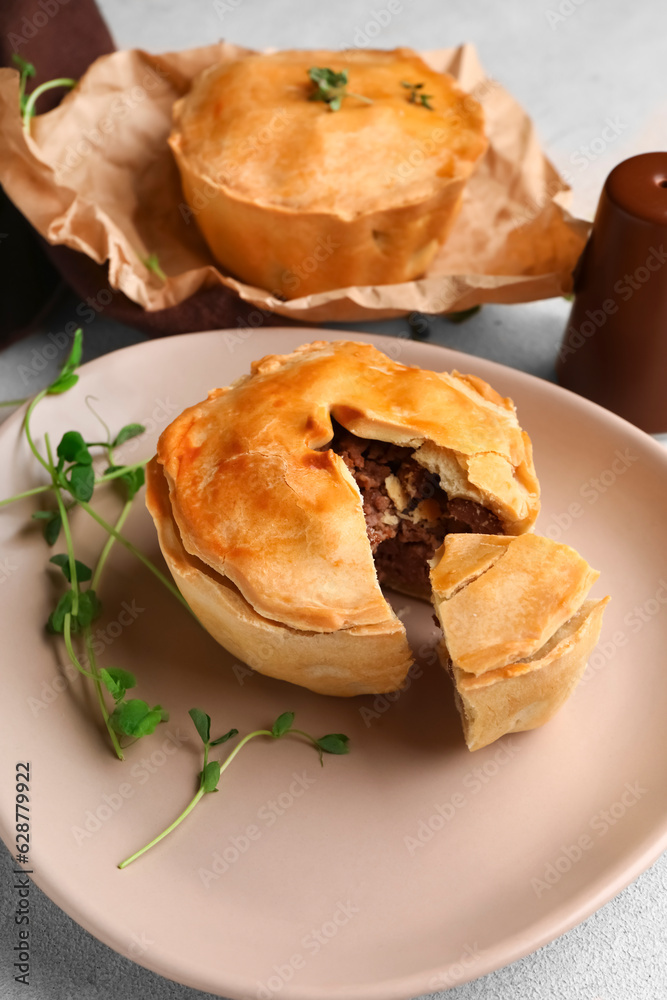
[(296, 198), (283, 502)]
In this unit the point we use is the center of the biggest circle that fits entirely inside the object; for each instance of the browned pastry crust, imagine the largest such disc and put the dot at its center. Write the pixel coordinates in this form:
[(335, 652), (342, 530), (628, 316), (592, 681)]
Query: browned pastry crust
[(363, 659), (517, 630), (297, 199), (260, 507)]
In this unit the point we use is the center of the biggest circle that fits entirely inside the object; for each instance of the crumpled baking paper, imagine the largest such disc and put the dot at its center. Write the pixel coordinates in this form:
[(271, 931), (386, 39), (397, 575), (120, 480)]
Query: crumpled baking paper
[(96, 174)]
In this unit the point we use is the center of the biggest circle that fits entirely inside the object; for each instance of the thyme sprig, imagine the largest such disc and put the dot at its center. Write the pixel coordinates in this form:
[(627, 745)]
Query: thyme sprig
[(331, 87), (416, 96)]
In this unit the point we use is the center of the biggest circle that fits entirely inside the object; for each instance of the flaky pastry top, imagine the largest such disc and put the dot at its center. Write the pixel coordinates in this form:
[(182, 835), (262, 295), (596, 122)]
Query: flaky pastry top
[(259, 498), (501, 599), (250, 127)]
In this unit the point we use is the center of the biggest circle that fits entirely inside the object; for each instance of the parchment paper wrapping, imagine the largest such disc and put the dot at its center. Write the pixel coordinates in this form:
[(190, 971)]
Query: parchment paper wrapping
[(96, 174)]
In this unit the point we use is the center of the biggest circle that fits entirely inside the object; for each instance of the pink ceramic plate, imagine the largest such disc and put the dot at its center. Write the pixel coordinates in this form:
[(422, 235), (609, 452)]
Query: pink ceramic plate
[(409, 865)]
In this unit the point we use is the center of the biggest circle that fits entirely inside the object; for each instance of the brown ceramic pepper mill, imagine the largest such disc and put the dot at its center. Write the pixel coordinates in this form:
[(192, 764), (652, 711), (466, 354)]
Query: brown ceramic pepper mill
[(615, 346)]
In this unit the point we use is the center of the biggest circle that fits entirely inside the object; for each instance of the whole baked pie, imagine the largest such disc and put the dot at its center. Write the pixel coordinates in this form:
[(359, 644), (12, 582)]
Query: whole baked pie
[(284, 501), (297, 198)]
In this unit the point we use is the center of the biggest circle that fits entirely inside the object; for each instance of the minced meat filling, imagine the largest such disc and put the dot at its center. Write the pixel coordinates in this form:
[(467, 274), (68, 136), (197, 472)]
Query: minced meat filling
[(407, 512)]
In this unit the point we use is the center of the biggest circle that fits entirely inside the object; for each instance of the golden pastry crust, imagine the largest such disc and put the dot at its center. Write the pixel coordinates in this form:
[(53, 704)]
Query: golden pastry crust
[(298, 199), (517, 630), (260, 500), (527, 699), (367, 659), (499, 599)]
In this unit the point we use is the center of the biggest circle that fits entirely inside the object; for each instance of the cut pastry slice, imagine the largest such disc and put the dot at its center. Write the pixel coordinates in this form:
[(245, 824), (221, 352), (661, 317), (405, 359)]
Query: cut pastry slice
[(517, 629), (308, 483)]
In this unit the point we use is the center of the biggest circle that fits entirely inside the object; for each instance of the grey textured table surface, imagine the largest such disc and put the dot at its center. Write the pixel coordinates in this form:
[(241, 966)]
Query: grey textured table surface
[(586, 70)]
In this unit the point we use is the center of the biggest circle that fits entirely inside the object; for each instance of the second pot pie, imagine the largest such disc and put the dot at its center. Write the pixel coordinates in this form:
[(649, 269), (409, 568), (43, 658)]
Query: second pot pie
[(283, 501), (296, 198)]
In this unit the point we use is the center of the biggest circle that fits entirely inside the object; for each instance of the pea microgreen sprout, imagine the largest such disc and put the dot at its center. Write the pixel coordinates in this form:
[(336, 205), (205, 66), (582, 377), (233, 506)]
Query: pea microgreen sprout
[(27, 101), (209, 776), (331, 87), (152, 263), (416, 97), (131, 475), (72, 482), (26, 70)]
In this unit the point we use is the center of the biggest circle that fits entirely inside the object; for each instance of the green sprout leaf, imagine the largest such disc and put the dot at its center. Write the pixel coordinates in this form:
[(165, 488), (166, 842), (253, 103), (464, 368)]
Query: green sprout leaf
[(152, 263), (81, 482), (52, 528), (202, 723), (73, 359), (83, 572), (282, 724), (56, 622), (117, 681), (90, 608), (334, 743), (62, 384), (223, 739), (52, 524), (73, 448), (67, 378), (127, 432), (210, 776), (26, 68), (133, 479), (135, 718)]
